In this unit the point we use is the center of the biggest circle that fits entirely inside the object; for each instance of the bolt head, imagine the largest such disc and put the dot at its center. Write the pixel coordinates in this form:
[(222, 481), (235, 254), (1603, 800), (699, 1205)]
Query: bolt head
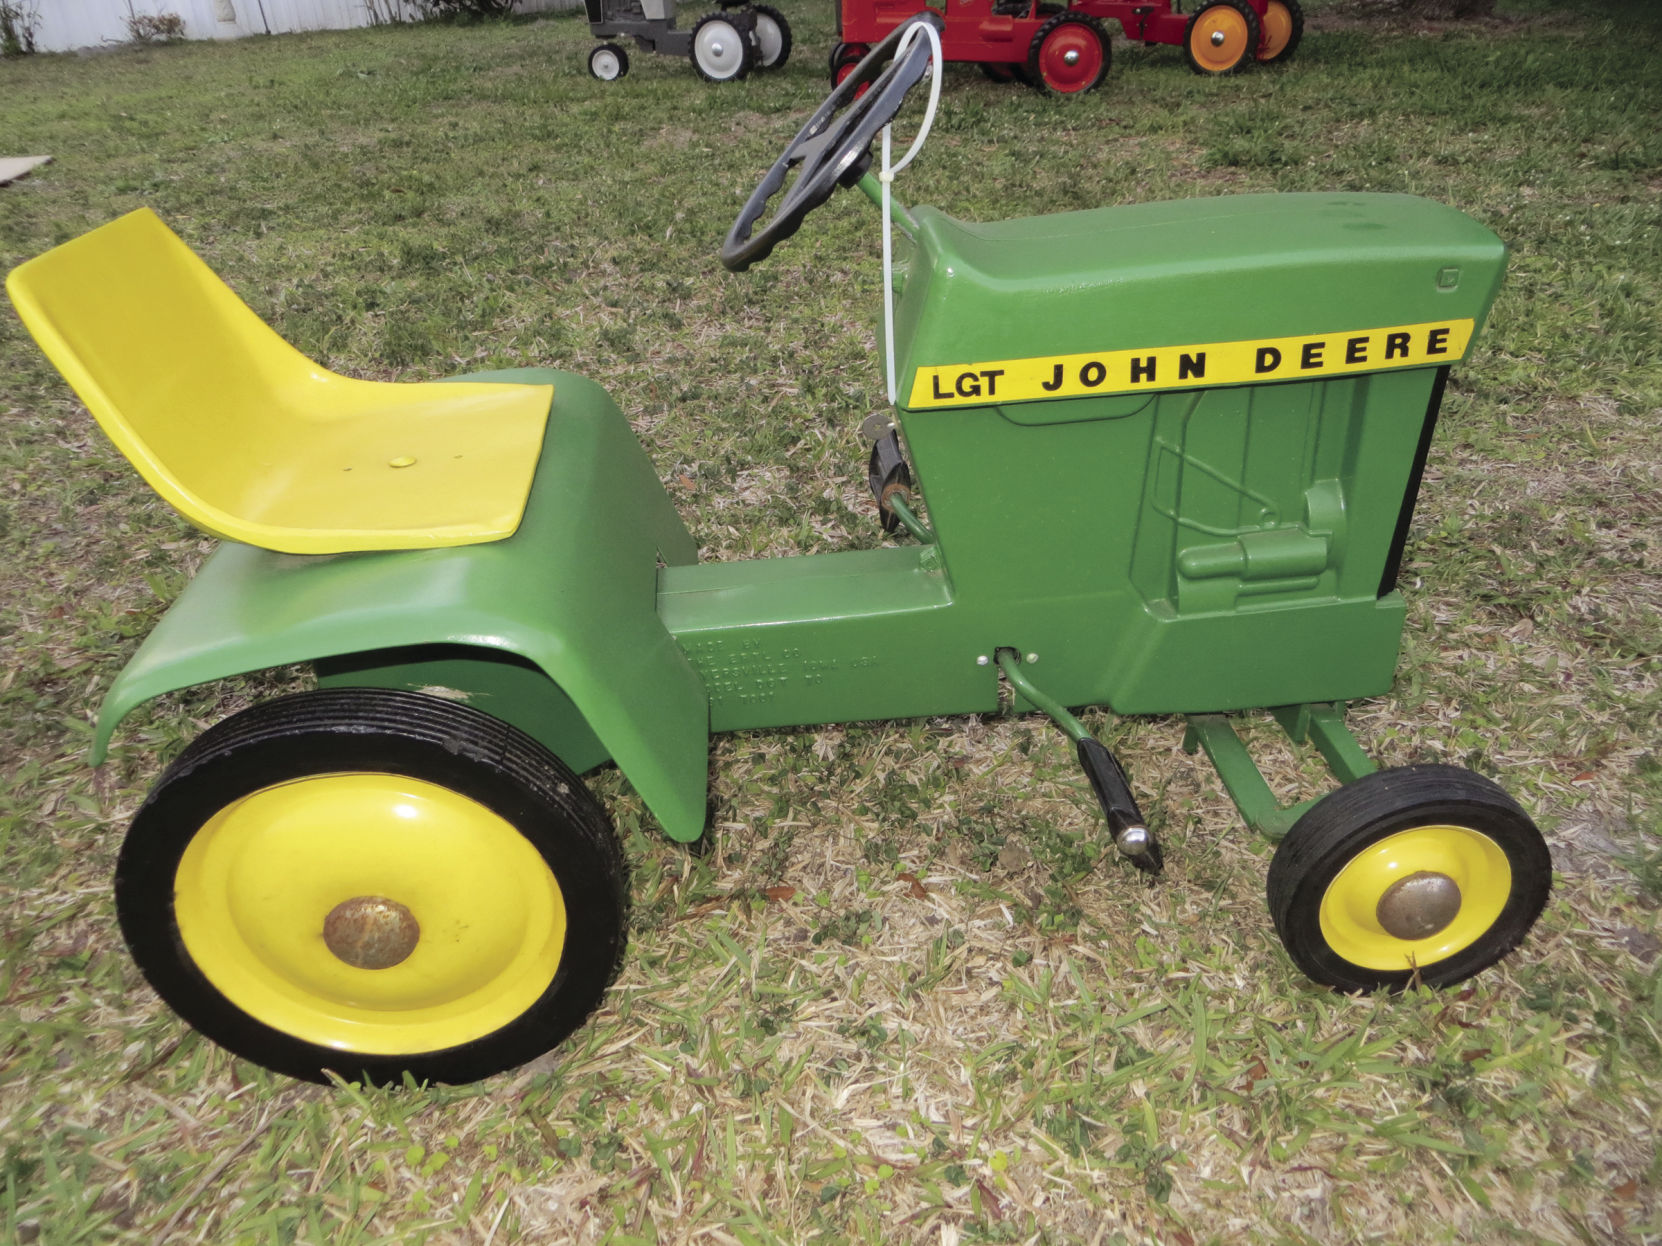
[(717, 48), (1217, 38), (983, 660), (1419, 906), (1032, 658), (1070, 57), (371, 932)]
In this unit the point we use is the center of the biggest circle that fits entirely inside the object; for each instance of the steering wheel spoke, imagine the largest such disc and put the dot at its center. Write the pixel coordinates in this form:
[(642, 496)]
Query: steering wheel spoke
[(807, 149), (834, 148)]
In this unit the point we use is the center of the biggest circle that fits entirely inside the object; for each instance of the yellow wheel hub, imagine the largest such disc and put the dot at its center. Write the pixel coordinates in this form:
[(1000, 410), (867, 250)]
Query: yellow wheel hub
[(370, 913), (1416, 897), (1218, 40), (1278, 30)]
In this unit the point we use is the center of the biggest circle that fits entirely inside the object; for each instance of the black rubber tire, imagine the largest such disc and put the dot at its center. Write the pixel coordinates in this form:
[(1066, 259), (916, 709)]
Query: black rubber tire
[(621, 58), (1295, 14), (1345, 823), (377, 731), (1254, 36), (1058, 26), (778, 19), (745, 59)]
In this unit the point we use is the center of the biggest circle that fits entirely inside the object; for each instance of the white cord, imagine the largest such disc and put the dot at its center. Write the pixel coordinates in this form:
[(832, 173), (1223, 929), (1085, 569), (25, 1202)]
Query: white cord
[(886, 177)]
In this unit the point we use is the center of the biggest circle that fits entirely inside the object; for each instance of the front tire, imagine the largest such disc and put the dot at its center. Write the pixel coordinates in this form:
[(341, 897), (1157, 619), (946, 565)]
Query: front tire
[(844, 57), (1424, 874), (374, 883), (608, 62)]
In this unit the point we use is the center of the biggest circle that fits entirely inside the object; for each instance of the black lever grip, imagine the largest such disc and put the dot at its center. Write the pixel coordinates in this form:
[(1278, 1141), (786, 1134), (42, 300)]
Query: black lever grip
[(1125, 820)]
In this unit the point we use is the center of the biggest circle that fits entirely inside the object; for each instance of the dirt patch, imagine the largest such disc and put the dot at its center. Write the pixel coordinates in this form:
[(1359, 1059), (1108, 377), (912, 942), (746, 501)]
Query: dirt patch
[(1423, 17)]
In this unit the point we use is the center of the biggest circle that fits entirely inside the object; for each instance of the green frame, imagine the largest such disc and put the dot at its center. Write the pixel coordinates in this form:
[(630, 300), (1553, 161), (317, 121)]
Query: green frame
[(1182, 538)]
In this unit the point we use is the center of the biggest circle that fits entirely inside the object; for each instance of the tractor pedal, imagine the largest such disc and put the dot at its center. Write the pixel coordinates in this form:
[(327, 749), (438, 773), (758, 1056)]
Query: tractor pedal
[(1125, 820), (888, 474)]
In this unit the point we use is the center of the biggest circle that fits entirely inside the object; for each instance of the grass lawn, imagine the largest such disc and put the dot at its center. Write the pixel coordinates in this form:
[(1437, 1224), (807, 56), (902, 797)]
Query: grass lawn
[(903, 994)]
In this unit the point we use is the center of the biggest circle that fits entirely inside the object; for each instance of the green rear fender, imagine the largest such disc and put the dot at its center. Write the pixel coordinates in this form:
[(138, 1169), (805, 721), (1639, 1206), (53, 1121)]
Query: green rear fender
[(571, 595)]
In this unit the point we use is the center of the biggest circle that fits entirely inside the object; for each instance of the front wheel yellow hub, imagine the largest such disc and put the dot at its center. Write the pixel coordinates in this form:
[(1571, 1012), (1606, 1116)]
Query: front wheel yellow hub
[(370, 913), (1416, 898), (1218, 39)]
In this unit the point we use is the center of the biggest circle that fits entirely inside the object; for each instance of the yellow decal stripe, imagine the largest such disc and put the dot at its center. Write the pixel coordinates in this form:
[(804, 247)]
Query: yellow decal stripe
[(1190, 367)]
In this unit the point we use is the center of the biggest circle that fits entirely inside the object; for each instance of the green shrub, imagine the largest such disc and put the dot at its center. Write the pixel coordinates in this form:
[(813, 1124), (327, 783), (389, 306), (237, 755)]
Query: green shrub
[(17, 26)]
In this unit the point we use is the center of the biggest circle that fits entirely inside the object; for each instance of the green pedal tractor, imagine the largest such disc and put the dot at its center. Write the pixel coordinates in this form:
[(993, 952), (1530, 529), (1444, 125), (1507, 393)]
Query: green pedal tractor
[(1165, 457)]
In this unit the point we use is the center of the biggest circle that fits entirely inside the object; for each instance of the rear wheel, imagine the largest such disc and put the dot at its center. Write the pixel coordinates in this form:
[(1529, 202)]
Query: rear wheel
[(719, 52), (1222, 37), (1069, 54), (374, 883), (1424, 873), (773, 37), (1283, 27)]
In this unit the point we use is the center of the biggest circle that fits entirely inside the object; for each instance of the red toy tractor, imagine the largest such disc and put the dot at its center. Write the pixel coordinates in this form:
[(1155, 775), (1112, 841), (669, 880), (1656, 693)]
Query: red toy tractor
[(1067, 49)]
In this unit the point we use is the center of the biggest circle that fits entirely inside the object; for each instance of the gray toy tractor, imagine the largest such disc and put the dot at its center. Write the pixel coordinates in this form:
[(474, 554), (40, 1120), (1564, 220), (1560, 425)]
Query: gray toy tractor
[(724, 45)]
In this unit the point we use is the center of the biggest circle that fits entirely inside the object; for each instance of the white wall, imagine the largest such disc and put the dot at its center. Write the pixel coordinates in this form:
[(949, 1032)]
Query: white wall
[(67, 24)]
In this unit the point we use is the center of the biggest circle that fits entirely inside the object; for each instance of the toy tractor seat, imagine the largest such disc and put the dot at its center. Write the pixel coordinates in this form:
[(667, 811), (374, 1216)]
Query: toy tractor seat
[(246, 437)]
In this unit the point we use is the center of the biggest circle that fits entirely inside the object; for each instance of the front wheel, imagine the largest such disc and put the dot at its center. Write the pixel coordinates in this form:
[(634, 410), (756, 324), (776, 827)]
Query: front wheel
[(844, 57), (608, 62), (374, 883), (1423, 874)]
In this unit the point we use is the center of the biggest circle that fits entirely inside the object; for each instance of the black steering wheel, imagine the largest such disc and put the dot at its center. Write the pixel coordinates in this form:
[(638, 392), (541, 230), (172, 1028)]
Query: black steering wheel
[(832, 150)]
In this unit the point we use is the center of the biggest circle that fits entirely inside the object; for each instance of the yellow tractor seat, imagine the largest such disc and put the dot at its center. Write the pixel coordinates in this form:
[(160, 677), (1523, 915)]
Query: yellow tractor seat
[(246, 437)]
